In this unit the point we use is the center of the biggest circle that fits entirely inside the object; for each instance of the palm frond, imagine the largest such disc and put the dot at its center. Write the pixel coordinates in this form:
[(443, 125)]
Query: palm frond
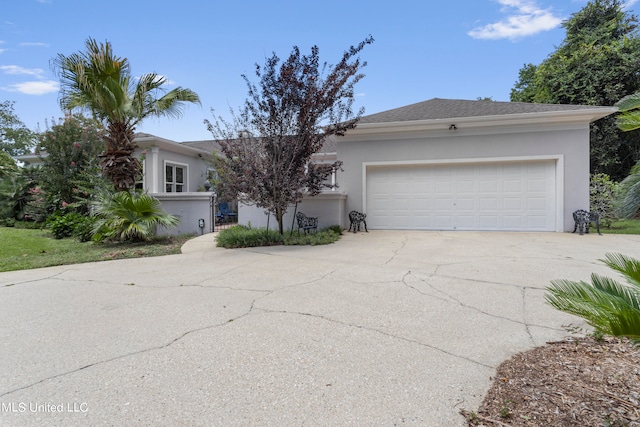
[(627, 266), (583, 300), (127, 216), (605, 304), (630, 193), (628, 121), (629, 102)]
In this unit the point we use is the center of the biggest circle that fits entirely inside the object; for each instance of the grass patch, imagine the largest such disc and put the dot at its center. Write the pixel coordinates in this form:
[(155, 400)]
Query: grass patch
[(621, 226), (240, 236), (24, 249)]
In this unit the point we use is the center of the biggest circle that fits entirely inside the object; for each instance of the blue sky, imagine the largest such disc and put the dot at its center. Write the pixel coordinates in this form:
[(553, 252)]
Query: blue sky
[(461, 49)]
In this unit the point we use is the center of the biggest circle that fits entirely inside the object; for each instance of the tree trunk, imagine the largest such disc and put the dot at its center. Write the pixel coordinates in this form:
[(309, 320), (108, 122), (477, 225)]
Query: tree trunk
[(279, 215), (118, 162)]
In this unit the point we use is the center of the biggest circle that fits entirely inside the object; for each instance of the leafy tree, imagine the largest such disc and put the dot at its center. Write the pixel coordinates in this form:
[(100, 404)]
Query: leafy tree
[(297, 104), (70, 172), (16, 193), (15, 138), (609, 306), (596, 64), (130, 216), (524, 89), (99, 82), (8, 166)]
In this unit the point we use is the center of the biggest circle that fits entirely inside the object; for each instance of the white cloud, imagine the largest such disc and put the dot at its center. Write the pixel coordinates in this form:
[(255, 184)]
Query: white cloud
[(525, 18), (15, 69), (36, 44), (35, 88), (629, 3)]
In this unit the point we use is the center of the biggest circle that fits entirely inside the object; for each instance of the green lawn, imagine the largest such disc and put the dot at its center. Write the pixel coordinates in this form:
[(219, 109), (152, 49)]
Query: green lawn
[(622, 226), (23, 249)]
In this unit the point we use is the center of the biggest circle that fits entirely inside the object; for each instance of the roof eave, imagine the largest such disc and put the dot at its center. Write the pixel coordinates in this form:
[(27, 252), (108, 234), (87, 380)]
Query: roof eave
[(582, 116), (167, 144)]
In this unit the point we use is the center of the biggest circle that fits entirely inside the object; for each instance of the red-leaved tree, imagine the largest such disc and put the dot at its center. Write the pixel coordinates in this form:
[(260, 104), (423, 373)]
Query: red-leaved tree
[(266, 148)]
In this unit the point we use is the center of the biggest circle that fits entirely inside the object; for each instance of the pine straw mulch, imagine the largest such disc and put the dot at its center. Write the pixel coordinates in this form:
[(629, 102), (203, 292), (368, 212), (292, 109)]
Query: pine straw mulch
[(577, 382)]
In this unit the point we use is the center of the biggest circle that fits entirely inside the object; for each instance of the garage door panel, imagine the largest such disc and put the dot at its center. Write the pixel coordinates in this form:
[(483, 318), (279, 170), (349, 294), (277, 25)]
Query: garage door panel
[(513, 222), (443, 204), (465, 203), (485, 185), (495, 196), (465, 186), (512, 186), (488, 222), (488, 204)]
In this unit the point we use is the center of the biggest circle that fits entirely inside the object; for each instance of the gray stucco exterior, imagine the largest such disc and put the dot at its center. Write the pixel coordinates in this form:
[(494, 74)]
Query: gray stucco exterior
[(512, 132)]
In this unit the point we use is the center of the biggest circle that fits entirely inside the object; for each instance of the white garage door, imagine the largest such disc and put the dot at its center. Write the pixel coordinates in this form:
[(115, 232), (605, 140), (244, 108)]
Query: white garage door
[(517, 196)]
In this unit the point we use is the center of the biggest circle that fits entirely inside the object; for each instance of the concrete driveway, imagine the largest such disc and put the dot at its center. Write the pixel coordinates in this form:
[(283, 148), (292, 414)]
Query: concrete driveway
[(379, 329)]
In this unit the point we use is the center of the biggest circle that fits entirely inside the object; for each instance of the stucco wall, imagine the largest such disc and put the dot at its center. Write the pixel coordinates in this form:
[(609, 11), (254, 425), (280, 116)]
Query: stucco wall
[(154, 168), (568, 142), (189, 207), (329, 207)]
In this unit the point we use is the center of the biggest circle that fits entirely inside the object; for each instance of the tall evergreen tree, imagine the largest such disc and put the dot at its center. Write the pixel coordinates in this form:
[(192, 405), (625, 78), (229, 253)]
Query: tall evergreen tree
[(596, 64)]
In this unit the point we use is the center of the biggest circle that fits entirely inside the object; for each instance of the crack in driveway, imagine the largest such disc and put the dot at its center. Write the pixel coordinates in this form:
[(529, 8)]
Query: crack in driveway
[(397, 250), (462, 304), (178, 338), (366, 328), (134, 353)]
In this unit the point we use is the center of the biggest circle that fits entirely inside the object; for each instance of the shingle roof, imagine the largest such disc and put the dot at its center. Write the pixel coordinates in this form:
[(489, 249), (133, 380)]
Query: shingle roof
[(207, 145), (438, 108), (329, 145)]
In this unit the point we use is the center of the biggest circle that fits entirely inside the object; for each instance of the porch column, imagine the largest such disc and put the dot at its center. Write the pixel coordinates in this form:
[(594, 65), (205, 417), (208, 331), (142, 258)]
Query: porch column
[(156, 173)]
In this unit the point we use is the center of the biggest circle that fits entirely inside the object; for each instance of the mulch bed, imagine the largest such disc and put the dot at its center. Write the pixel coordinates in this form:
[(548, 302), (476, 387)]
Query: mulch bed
[(577, 382)]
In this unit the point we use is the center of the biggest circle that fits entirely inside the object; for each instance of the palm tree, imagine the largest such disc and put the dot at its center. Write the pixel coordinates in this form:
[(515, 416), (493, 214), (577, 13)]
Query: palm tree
[(629, 117), (130, 216), (609, 306), (628, 120), (98, 81), (629, 203)]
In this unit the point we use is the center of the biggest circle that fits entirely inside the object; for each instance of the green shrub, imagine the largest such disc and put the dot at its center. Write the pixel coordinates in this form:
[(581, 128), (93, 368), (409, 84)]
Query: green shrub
[(62, 226), (83, 230), (240, 236), (29, 225), (609, 306), (602, 196), (7, 222), (129, 216), (336, 229), (323, 237)]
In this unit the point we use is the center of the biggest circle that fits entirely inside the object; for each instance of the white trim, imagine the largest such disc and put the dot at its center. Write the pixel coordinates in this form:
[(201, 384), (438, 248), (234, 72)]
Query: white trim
[(168, 145), (155, 173), (559, 178), (185, 175), (582, 116)]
